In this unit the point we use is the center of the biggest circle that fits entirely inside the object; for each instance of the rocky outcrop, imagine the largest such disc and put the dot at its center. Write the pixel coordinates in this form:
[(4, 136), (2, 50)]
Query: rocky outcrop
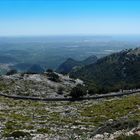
[(36, 85)]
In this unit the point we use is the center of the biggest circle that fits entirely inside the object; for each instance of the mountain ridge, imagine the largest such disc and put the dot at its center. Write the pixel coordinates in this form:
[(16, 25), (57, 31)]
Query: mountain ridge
[(118, 70)]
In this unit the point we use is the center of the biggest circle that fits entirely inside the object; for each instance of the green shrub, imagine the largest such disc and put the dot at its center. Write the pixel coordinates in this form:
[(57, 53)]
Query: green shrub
[(49, 70), (78, 91), (11, 72), (53, 77), (93, 89), (60, 90)]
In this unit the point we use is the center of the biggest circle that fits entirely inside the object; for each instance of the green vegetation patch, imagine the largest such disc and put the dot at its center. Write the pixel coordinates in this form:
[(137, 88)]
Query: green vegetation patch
[(112, 109), (134, 137)]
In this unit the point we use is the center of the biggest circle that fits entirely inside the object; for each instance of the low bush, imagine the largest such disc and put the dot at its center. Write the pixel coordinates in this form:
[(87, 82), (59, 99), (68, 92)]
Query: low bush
[(11, 72), (49, 70), (78, 91), (60, 90), (53, 77)]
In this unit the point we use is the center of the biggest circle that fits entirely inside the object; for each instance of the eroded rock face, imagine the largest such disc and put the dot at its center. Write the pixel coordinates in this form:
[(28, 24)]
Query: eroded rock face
[(38, 85)]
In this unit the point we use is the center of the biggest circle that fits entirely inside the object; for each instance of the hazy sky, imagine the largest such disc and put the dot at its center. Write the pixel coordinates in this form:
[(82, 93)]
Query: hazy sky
[(60, 17)]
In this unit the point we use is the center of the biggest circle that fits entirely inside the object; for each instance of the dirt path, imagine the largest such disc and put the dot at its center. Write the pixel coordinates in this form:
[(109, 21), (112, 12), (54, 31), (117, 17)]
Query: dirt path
[(102, 96)]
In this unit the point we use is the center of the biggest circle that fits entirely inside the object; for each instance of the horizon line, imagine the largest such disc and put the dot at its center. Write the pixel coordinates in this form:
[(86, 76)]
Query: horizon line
[(67, 35)]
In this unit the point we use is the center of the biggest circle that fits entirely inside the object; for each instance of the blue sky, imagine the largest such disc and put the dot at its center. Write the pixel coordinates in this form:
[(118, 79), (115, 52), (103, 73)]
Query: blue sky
[(69, 17)]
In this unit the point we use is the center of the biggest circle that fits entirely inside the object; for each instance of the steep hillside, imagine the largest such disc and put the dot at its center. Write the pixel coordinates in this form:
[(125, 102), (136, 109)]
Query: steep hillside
[(119, 70), (70, 63)]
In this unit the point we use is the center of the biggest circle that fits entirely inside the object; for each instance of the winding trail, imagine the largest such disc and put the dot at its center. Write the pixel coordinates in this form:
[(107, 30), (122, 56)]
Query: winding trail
[(102, 96)]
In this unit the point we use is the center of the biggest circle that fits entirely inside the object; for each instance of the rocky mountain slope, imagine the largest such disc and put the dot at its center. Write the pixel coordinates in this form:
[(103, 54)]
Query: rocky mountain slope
[(70, 64), (118, 70), (111, 119), (37, 85), (102, 119)]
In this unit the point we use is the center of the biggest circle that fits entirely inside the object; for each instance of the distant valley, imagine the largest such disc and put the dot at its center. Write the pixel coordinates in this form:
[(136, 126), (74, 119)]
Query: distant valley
[(50, 52)]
